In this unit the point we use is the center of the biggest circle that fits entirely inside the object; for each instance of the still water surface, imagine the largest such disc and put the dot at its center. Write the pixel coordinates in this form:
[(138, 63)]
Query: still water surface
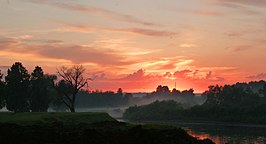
[(220, 133), (224, 133)]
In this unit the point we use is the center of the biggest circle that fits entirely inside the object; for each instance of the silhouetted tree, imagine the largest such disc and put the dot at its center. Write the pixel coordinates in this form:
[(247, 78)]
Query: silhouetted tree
[(42, 88), (2, 91), (17, 81), (213, 94), (73, 81), (120, 91), (176, 92), (162, 89), (188, 92)]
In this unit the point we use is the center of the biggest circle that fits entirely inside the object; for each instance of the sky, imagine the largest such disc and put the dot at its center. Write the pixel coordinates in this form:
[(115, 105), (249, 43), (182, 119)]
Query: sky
[(137, 45)]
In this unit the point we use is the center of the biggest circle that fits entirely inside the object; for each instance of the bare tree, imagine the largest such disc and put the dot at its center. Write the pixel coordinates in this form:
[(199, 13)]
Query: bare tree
[(73, 81)]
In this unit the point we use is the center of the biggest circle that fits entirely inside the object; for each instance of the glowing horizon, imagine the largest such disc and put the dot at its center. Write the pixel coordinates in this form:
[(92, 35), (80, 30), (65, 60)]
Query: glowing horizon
[(138, 45)]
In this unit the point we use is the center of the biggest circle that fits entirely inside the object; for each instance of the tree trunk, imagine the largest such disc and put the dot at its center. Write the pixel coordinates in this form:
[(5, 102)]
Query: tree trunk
[(72, 108)]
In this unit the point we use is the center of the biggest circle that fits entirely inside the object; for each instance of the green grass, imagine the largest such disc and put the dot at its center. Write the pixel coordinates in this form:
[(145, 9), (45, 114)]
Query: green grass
[(86, 127), (66, 118)]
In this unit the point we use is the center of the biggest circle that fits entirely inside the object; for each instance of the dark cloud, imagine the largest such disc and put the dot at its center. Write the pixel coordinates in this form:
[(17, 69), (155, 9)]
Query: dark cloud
[(196, 75), (138, 75), (209, 75), (6, 43), (81, 54), (148, 32), (57, 49), (46, 41), (258, 76)]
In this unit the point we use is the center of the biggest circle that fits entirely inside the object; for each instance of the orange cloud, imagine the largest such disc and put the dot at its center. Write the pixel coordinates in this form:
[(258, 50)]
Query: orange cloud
[(143, 81)]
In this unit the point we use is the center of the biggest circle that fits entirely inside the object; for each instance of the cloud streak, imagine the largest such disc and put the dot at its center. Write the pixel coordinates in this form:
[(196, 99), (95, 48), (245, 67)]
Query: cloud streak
[(81, 54), (140, 31), (260, 3), (108, 14), (258, 76), (56, 49), (208, 13), (241, 6)]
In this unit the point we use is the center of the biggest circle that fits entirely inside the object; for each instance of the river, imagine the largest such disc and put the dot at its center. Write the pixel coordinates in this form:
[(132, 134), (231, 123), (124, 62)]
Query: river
[(223, 133), (218, 132)]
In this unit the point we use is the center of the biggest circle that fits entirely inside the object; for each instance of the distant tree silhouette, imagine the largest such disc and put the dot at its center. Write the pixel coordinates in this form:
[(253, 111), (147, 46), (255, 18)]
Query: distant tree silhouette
[(162, 89), (73, 81), (2, 91), (17, 81), (176, 92), (213, 94), (120, 91), (42, 87)]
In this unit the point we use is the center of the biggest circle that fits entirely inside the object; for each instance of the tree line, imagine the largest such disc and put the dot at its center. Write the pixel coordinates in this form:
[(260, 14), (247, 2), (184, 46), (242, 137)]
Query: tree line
[(240, 102), (21, 91)]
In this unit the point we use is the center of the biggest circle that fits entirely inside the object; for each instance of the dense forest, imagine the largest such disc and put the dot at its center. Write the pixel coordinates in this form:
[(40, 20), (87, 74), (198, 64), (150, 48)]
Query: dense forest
[(240, 102)]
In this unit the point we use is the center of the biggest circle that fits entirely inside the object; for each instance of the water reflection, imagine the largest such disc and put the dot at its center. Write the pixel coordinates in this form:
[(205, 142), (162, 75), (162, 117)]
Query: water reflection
[(224, 134)]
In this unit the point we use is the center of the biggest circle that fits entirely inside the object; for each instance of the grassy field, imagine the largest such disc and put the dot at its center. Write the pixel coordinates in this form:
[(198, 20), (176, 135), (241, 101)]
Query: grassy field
[(64, 117), (79, 128)]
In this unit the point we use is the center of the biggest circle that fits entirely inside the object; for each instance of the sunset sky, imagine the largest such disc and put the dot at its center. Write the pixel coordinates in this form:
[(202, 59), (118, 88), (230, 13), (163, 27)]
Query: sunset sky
[(138, 44)]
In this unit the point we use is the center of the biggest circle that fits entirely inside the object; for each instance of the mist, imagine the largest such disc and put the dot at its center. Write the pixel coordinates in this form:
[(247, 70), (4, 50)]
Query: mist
[(115, 103)]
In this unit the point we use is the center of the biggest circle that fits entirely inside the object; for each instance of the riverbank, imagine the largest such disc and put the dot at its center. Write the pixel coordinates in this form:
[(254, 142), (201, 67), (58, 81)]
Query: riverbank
[(79, 128), (218, 132), (195, 122)]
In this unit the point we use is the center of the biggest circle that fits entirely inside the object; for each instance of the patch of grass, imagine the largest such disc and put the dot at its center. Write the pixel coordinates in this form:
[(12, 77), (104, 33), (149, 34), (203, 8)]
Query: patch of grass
[(80, 128), (65, 118)]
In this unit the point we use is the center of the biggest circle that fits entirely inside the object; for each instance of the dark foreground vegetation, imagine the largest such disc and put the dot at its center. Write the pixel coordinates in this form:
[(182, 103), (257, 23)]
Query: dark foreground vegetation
[(240, 103), (90, 128)]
